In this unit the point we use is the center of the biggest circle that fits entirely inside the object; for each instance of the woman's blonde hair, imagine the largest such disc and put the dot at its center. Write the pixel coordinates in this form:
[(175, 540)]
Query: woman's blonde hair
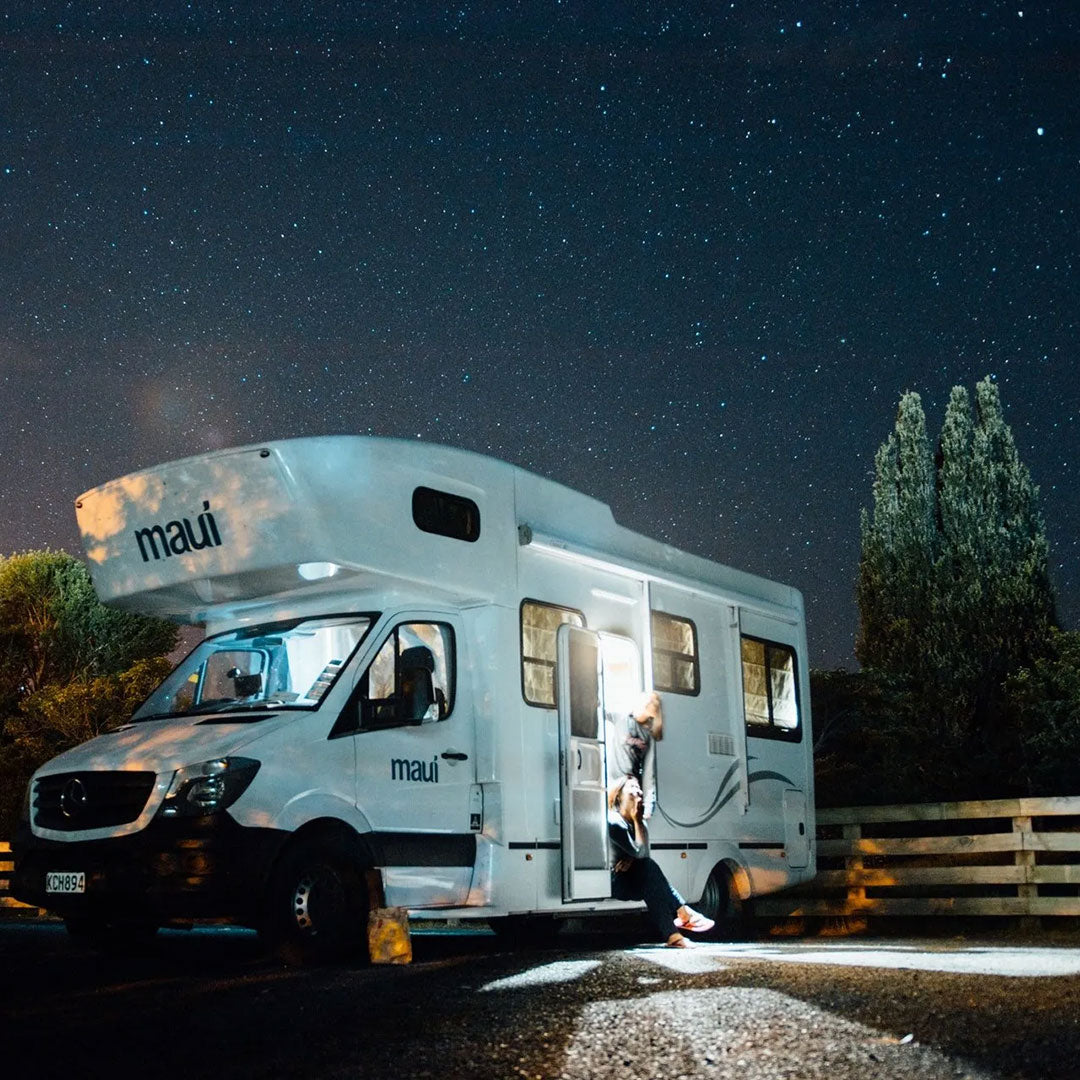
[(650, 707), (615, 791)]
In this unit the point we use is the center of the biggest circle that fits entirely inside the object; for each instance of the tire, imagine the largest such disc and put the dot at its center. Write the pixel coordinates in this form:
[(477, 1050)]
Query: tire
[(720, 902), (317, 908)]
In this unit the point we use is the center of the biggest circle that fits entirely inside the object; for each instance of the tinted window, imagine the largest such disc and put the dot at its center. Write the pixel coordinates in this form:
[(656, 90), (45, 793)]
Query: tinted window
[(444, 514)]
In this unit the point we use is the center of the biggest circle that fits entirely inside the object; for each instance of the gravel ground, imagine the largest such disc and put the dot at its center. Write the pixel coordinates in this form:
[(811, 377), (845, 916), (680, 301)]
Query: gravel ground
[(592, 1008)]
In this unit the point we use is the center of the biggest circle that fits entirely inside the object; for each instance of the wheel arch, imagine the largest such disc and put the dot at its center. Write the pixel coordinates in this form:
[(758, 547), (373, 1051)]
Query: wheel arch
[(335, 836), (725, 858)]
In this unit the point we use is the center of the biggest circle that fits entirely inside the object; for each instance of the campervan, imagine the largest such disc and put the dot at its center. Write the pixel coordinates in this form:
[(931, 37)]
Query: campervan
[(411, 662)]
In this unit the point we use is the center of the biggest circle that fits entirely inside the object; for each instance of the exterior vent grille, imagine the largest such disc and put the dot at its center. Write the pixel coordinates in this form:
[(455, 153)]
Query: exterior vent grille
[(71, 802), (721, 744)]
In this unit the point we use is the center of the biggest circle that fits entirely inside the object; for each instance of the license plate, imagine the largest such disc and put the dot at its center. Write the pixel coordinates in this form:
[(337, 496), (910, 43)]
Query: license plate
[(65, 881)]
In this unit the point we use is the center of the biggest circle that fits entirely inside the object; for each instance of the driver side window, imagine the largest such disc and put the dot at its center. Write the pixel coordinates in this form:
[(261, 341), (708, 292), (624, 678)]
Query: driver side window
[(411, 679)]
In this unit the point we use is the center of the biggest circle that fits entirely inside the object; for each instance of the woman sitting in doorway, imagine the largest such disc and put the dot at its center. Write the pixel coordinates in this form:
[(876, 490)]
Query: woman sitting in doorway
[(635, 876)]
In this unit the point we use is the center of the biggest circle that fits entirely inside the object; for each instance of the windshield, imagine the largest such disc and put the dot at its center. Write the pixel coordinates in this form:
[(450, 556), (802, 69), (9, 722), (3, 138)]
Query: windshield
[(288, 665)]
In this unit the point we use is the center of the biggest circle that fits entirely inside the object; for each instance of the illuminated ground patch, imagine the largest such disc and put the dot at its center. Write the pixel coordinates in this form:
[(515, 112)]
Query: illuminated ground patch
[(741, 1032), (1016, 961)]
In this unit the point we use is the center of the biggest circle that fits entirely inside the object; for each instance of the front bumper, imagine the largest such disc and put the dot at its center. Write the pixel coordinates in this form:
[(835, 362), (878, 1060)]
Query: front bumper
[(173, 870)]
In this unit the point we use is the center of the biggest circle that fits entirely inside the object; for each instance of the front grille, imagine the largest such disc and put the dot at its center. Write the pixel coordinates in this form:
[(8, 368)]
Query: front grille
[(71, 802)]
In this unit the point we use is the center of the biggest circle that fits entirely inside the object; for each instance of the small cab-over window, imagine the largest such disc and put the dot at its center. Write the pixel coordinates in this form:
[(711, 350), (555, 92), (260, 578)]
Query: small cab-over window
[(675, 656), (444, 514), (770, 690), (540, 623)]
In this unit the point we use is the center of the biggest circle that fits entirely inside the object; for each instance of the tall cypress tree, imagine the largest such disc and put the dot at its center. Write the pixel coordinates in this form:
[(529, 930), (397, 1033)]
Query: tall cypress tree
[(954, 591), (898, 548), (959, 580)]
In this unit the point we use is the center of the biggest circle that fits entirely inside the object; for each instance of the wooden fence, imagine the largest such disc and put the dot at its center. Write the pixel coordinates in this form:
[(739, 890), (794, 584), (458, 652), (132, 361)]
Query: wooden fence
[(6, 869), (1002, 857)]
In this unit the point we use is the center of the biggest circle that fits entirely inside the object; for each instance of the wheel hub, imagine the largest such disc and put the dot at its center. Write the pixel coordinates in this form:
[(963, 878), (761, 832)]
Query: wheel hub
[(302, 903)]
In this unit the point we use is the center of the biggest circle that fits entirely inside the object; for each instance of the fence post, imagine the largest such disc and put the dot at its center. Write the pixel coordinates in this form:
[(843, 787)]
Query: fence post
[(853, 860), (1025, 857)]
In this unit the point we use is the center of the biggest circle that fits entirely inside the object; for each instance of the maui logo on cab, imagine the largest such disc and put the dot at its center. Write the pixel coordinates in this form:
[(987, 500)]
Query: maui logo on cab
[(178, 537), (423, 772)]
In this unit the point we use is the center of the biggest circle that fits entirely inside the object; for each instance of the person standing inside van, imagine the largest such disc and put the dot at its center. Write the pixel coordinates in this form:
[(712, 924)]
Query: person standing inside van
[(635, 876), (632, 746)]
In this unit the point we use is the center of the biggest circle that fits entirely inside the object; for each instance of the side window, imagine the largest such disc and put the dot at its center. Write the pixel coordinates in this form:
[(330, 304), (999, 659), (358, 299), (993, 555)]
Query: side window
[(675, 654), (411, 679), (539, 624), (770, 690)]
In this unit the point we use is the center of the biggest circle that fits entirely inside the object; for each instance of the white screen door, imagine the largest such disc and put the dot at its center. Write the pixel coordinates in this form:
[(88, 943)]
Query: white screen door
[(583, 774)]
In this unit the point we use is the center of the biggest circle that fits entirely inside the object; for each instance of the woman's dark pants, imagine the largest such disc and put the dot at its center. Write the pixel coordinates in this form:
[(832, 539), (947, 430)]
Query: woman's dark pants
[(645, 881)]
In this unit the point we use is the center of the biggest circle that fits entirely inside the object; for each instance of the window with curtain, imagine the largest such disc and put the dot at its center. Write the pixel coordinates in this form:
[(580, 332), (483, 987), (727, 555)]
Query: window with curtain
[(675, 659), (770, 689), (540, 623)]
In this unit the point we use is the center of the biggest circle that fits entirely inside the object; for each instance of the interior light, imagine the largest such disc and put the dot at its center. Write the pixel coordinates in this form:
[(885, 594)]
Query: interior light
[(618, 598), (314, 571)]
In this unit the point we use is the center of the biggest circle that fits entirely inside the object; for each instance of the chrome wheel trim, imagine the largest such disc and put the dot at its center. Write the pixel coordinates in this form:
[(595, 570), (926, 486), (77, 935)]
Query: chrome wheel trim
[(301, 904)]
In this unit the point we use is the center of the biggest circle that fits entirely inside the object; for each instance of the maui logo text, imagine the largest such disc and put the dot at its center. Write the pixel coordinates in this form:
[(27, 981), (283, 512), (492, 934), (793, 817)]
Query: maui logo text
[(418, 771), (178, 537)]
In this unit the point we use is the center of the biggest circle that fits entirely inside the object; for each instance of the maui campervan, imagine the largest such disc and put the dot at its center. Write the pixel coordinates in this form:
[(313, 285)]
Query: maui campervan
[(412, 656)]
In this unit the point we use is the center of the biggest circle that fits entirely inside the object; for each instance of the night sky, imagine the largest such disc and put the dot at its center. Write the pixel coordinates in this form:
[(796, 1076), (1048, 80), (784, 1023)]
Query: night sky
[(682, 257)]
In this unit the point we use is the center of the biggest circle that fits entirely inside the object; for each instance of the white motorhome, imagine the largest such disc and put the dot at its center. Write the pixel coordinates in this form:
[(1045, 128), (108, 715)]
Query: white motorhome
[(412, 656)]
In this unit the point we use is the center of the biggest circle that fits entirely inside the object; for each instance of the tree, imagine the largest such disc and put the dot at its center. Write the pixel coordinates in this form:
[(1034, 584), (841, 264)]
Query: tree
[(994, 601), (1044, 706), (899, 541), (865, 725), (70, 667), (954, 593), (53, 628)]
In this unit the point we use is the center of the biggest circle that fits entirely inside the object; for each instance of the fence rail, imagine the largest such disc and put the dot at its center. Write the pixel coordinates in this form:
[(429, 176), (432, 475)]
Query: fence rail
[(998, 857), (7, 868)]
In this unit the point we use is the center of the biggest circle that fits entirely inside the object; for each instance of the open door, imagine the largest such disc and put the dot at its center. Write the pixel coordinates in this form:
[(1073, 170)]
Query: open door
[(583, 772)]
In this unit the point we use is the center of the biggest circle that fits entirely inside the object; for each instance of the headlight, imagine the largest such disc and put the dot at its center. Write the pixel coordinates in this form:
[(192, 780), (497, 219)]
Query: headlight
[(206, 788)]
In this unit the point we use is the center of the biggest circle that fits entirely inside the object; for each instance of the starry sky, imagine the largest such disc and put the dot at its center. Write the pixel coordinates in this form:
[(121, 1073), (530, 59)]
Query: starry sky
[(683, 257)]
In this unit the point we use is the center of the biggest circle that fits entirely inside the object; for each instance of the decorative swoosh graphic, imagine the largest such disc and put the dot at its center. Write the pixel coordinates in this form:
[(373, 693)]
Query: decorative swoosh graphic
[(724, 795)]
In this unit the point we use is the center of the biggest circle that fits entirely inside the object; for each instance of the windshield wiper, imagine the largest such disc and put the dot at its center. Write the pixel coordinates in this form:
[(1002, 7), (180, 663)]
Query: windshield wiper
[(211, 705), (220, 705)]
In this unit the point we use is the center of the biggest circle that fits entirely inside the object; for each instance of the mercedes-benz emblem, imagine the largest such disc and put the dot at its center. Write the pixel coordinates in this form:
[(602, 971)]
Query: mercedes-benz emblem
[(73, 798)]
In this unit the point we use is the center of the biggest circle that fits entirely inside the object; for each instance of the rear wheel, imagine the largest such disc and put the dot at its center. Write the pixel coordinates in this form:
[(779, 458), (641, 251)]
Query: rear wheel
[(720, 902), (318, 908)]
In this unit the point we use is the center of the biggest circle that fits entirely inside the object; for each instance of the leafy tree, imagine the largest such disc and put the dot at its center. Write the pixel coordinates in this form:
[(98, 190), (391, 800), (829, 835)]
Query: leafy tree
[(70, 667), (53, 628), (865, 724), (1044, 705)]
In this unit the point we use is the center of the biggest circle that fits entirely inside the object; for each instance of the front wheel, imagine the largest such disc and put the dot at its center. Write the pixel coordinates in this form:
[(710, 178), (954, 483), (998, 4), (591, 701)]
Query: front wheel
[(317, 909), (720, 902)]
